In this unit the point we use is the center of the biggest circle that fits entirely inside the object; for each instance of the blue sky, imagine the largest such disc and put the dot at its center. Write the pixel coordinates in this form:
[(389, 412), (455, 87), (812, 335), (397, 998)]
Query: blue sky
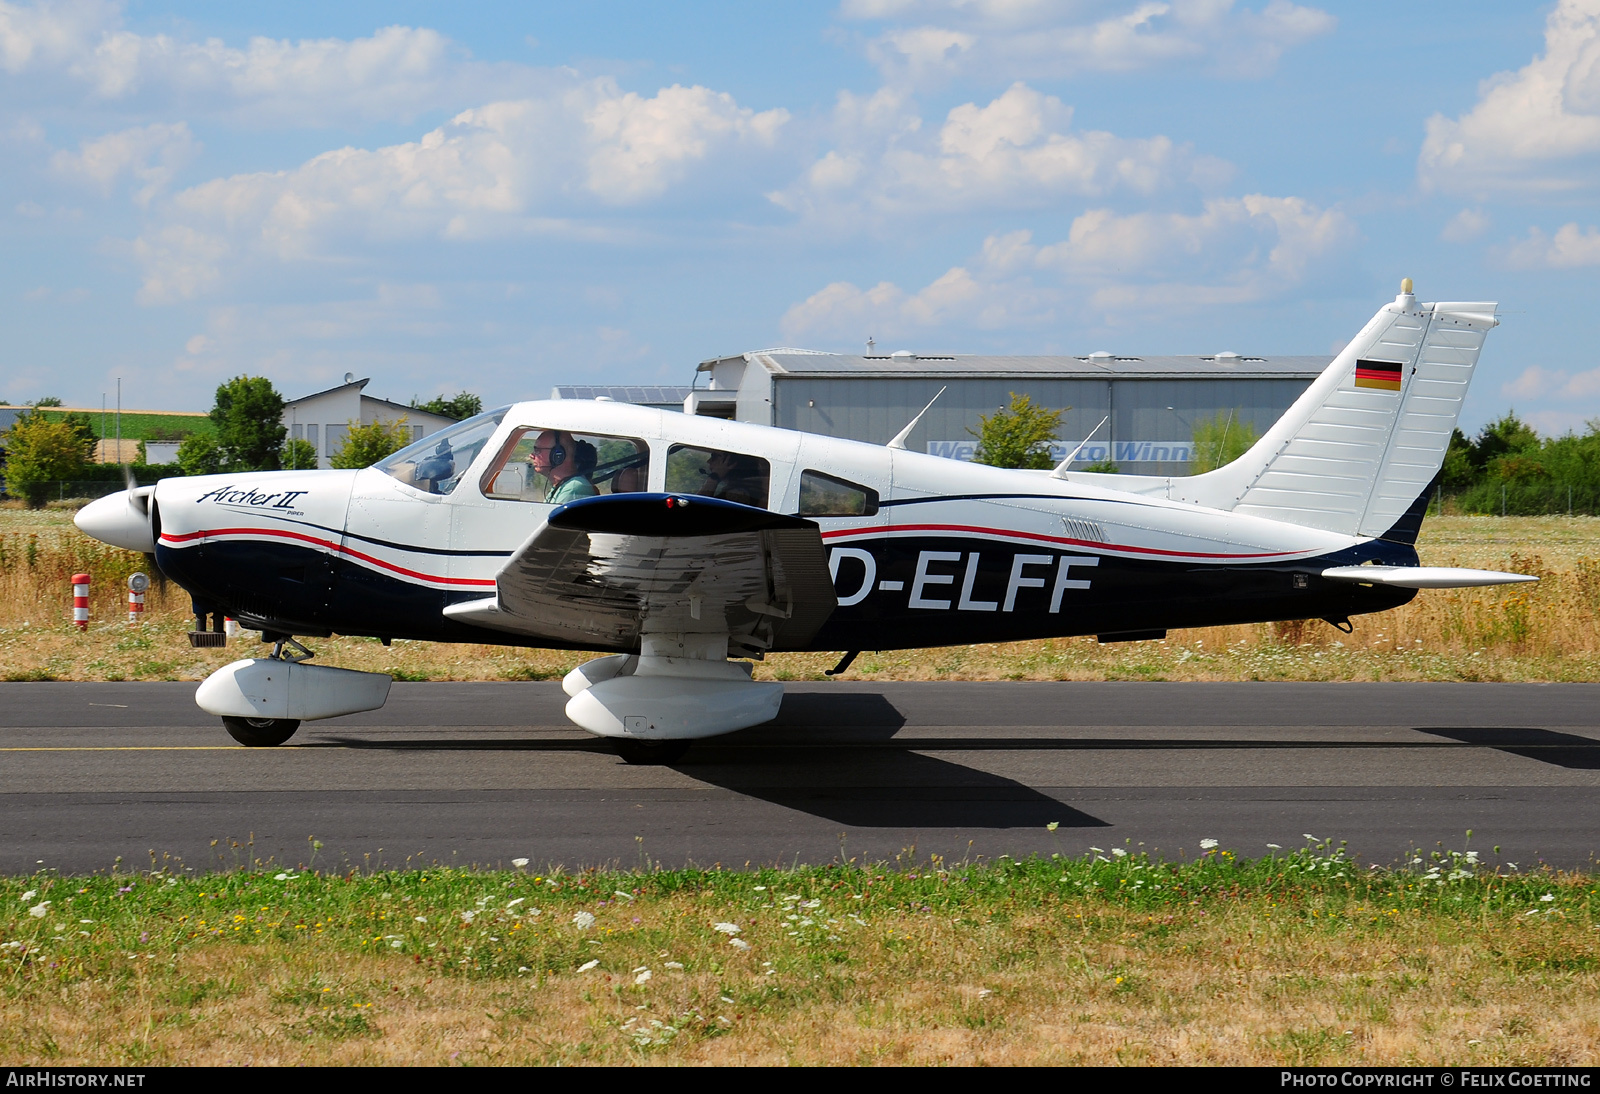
[(500, 198)]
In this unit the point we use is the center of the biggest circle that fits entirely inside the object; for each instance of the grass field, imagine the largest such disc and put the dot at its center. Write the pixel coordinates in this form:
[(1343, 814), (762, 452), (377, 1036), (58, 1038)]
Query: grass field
[(1299, 957), (1547, 632), (140, 425)]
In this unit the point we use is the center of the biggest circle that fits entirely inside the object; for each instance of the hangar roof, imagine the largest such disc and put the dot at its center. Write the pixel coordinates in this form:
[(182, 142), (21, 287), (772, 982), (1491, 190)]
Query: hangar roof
[(811, 363)]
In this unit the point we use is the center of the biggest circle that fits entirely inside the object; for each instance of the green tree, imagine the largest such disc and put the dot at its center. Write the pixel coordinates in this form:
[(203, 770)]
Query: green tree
[(48, 400), (1458, 473), (1018, 435), (464, 405), (298, 455), (365, 445), (40, 452), (1221, 440), (198, 454), (1510, 436), (249, 419)]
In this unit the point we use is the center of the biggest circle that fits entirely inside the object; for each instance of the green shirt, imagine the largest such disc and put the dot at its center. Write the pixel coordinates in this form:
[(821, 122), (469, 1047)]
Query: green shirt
[(571, 489)]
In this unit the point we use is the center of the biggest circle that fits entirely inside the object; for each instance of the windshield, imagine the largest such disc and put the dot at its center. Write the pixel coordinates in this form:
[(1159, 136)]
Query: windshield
[(437, 462)]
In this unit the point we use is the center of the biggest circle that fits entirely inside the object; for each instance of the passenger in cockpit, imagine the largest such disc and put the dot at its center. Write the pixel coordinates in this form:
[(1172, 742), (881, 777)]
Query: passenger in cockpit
[(735, 477), (556, 456)]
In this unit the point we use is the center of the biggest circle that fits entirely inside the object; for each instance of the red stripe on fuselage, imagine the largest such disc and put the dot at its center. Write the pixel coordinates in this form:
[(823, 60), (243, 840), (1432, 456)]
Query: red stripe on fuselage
[(337, 548)]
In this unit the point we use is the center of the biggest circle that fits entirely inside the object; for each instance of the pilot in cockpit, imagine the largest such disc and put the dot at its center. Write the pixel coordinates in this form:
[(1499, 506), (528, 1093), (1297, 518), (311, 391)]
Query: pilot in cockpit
[(561, 459)]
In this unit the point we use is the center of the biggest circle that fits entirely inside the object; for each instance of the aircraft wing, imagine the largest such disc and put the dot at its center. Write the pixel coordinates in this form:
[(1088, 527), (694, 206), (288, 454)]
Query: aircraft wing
[(601, 570)]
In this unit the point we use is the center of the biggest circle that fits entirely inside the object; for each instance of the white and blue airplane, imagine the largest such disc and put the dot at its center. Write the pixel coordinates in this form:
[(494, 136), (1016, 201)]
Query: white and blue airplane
[(688, 546)]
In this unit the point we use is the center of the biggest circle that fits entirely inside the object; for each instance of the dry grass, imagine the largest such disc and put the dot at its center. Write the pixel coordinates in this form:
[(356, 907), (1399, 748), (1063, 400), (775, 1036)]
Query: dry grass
[(1550, 632), (1298, 960)]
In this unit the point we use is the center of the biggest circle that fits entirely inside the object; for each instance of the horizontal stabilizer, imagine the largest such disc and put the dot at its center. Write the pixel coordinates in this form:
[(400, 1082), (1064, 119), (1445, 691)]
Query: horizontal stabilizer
[(1423, 577)]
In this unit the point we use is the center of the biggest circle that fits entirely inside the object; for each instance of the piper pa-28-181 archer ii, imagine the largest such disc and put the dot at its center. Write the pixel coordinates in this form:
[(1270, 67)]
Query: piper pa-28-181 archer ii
[(684, 544)]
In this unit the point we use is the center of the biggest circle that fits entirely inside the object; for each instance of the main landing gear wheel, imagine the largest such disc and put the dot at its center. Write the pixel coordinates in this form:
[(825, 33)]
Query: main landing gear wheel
[(260, 732), (650, 752)]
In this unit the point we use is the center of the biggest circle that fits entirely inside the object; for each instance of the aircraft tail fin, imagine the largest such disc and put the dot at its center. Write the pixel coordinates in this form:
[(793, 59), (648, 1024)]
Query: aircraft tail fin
[(1359, 451)]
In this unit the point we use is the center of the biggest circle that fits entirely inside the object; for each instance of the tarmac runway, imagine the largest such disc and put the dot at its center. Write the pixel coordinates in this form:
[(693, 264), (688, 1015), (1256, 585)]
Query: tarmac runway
[(479, 774)]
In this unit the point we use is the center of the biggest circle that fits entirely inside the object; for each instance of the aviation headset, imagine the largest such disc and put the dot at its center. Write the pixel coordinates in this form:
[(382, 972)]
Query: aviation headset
[(558, 451)]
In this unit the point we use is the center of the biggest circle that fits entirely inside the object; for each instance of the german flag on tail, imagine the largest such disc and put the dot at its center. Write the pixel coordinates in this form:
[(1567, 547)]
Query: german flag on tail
[(1383, 375)]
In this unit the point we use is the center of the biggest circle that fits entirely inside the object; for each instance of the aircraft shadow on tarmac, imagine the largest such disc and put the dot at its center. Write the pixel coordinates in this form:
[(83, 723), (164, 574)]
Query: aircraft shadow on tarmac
[(834, 757), (1562, 749)]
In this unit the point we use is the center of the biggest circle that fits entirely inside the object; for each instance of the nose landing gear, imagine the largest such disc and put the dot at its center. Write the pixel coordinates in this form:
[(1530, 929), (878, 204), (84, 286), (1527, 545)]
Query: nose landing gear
[(260, 732)]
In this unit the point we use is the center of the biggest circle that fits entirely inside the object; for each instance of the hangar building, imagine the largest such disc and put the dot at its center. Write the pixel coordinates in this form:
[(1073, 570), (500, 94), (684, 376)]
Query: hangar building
[(1150, 404)]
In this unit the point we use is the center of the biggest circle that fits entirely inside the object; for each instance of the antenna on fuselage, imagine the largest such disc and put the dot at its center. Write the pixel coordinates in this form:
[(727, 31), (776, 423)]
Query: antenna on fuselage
[(900, 437), (1061, 468)]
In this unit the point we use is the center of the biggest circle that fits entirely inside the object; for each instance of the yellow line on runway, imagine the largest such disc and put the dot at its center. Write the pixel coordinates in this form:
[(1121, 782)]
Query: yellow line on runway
[(125, 748)]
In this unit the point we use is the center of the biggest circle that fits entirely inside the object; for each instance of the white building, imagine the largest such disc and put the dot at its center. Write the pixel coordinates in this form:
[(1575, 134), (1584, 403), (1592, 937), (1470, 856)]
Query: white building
[(324, 418)]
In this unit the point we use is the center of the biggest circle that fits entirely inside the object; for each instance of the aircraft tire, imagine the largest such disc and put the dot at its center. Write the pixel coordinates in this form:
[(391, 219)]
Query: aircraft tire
[(651, 752), (261, 732)]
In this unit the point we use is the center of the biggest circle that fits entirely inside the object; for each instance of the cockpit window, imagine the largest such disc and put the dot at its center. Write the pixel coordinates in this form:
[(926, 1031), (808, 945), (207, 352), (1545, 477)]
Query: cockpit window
[(555, 466), (436, 463)]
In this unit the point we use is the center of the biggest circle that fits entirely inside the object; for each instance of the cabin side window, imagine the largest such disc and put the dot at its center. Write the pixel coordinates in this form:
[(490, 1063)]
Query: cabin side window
[(555, 466), (713, 473), (825, 496)]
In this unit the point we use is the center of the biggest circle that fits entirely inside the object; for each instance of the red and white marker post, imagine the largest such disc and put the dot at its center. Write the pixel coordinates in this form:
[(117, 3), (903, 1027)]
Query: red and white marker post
[(137, 584), (80, 601)]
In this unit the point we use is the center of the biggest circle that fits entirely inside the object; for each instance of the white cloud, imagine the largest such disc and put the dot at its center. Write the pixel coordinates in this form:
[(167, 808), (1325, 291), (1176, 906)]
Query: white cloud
[(1017, 151), (1568, 248), (643, 145), (1028, 39), (1536, 383), (151, 154), (392, 74), (1537, 129), (843, 312), (1255, 238), (1465, 226), (507, 166), (1236, 251), (34, 36)]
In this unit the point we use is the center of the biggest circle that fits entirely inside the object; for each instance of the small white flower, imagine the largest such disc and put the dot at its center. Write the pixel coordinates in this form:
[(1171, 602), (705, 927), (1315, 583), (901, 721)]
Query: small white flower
[(1547, 898), (738, 943), (1309, 836), (1207, 844), (674, 964), (1098, 850), (519, 863), (1276, 846), (984, 993), (726, 928), (587, 965), (281, 877), (29, 895), (644, 974), (1119, 852), (623, 895), (517, 901), (583, 920), (759, 889), (38, 910), (422, 919), (468, 917)]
